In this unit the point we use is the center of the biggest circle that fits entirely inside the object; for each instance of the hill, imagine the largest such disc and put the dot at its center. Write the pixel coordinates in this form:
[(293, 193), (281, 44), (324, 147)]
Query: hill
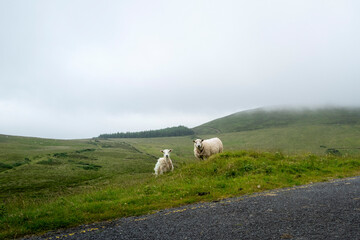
[(44, 182), (263, 118), (165, 132)]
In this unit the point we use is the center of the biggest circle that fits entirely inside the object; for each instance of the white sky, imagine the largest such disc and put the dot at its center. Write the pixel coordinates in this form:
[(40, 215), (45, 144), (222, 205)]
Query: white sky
[(76, 69)]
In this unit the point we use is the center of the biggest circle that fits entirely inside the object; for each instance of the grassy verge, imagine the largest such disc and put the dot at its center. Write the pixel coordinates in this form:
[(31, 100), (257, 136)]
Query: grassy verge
[(225, 175)]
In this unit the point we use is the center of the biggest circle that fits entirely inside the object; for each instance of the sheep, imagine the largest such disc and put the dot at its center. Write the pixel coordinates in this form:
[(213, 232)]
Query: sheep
[(164, 164), (205, 148)]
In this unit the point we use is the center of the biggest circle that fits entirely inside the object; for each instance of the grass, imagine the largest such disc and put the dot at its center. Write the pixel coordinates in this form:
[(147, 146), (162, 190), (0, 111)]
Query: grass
[(46, 184), (288, 139), (316, 139), (81, 165), (225, 175)]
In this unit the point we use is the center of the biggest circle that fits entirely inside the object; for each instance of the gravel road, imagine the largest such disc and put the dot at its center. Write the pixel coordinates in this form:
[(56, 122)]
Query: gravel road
[(328, 210)]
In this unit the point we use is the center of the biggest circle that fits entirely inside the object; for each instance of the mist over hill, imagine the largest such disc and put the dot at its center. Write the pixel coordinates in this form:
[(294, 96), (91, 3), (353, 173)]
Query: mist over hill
[(280, 117)]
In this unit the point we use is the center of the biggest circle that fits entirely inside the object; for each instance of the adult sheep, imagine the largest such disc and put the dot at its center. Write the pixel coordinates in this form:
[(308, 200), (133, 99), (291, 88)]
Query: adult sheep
[(205, 148), (164, 164)]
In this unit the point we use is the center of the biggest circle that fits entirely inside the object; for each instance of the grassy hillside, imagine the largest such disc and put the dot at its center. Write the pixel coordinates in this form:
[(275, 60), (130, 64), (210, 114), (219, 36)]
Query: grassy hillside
[(316, 139), (47, 183), (37, 166), (267, 118), (225, 175)]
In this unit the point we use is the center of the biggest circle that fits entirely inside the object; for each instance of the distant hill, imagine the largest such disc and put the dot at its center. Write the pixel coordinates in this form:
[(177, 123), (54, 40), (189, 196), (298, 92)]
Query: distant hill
[(256, 119), (267, 118), (165, 132)]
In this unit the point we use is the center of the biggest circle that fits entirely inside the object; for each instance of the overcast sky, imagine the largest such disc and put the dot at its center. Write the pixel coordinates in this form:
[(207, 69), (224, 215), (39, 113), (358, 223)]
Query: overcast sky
[(76, 69)]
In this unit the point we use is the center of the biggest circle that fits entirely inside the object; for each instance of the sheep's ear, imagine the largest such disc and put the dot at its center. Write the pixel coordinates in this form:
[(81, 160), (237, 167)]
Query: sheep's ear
[(202, 140), (162, 151), (170, 150), (193, 141)]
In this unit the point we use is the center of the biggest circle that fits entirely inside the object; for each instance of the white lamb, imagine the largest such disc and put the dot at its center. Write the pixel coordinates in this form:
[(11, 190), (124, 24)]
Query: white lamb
[(164, 164), (205, 148)]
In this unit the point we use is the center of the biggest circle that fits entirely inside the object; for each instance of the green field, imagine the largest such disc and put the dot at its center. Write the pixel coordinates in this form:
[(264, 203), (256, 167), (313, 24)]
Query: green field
[(47, 184)]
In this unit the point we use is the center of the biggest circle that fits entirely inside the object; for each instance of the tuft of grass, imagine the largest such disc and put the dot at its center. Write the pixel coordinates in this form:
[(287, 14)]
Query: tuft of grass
[(89, 166), (49, 161), (4, 166), (224, 175)]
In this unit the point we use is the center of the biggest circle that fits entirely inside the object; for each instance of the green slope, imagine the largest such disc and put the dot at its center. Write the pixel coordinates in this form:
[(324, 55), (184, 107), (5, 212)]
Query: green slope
[(264, 118), (43, 182)]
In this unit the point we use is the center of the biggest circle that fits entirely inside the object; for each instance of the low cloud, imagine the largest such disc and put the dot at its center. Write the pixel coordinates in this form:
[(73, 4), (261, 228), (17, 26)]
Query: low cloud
[(137, 66)]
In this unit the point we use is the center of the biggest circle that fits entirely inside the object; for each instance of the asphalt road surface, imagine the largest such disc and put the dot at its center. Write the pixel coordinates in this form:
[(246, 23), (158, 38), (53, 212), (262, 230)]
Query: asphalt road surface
[(328, 210)]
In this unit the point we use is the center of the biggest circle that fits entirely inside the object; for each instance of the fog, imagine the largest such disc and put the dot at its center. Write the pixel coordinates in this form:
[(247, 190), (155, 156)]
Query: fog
[(76, 69)]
